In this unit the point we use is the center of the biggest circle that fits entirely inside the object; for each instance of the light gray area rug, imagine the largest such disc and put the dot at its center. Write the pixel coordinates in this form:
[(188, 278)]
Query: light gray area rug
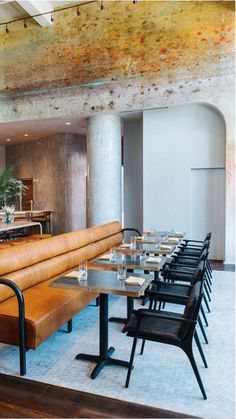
[(162, 376)]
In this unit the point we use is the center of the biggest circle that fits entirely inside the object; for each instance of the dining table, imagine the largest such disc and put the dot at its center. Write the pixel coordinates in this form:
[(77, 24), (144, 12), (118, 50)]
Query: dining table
[(18, 225), (132, 263), (104, 283)]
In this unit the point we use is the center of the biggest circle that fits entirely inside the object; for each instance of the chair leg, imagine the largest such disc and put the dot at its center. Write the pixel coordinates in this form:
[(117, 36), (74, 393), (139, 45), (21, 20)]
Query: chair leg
[(69, 326), (204, 316), (207, 305), (207, 292), (202, 329), (131, 362), (142, 347), (189, 353), (200, 349), (207, 284)]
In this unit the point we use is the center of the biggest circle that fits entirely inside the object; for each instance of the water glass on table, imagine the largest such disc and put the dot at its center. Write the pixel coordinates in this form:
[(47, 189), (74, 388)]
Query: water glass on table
[(83, 270), (157, 242), (142, 256), (121, 271), (112, 254), (133, 242)]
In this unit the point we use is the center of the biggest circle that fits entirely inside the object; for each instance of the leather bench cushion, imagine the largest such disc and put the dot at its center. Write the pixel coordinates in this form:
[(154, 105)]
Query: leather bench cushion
[(31, 253), (32, 275), (46, 309)]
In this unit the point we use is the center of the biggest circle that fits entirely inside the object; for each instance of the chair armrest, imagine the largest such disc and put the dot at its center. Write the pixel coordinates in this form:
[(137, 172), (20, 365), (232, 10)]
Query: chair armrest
[(152, 313), (180, 265), (16, 290), (192, 246), (165, 294), (131, 229), (192, 241), (182, 256)]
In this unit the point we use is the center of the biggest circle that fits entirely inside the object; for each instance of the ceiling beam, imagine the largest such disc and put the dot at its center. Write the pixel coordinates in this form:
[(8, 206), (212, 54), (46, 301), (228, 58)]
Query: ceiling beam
[(37, 7)]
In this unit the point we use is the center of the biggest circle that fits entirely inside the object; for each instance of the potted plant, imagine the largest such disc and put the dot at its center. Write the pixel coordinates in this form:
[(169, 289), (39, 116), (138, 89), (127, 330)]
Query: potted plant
[(10, 190)]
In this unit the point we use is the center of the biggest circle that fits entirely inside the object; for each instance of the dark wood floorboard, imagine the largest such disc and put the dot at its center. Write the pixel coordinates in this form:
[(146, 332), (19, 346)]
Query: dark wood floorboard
[(22, 398), (218, 265)]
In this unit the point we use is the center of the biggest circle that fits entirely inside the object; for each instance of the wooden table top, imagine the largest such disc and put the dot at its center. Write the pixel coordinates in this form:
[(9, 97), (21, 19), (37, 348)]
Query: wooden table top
[(105, 282)]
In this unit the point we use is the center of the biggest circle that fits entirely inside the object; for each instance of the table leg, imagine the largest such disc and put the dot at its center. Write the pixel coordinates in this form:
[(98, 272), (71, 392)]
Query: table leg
[(104, 357), (130, 306)]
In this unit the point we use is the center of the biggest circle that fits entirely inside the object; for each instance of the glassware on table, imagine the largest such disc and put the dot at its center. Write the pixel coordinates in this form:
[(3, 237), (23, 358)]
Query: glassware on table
[(157, 242), (133, 242), (142, 257), (153, 230), (112, 254), (121, 271), (83, 270)]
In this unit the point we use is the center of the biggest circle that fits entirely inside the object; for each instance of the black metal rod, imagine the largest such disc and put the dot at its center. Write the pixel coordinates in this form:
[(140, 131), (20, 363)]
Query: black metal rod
[(103, 329), (21, 310)]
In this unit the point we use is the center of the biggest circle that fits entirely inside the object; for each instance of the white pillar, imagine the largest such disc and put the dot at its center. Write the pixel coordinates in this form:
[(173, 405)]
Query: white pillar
[(104, 169)]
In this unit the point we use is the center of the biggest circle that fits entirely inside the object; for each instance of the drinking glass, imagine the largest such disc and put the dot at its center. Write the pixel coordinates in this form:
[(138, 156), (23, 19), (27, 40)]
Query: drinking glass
[(112, 254), (133, 242), (121, 271), (142, 257), (157, 242), (83, 270)]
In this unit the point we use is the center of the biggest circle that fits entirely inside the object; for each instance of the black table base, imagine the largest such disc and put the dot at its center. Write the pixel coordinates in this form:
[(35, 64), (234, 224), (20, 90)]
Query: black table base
[(130, 307), (104, 357), (102, 362)]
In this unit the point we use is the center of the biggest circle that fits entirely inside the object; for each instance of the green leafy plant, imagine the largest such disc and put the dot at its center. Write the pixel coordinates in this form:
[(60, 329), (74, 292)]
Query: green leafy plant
[(10, 188)]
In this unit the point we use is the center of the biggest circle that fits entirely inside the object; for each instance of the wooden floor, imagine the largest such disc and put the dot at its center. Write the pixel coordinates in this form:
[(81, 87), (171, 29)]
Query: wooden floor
[(218, 265), (22, 398)]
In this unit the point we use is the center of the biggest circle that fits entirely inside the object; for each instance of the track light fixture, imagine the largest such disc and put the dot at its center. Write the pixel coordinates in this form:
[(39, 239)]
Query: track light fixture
[(53, 12)]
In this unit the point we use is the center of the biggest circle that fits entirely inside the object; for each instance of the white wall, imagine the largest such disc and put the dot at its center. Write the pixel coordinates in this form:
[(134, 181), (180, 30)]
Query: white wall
[(175, 140), (133, 174)]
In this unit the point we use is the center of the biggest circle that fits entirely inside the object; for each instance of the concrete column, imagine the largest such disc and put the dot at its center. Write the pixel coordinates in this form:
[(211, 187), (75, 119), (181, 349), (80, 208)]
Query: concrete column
[(104, 169)]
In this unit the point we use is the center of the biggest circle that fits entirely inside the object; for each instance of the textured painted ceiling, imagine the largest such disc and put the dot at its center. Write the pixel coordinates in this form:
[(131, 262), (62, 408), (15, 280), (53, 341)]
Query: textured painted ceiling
[(151, 40)]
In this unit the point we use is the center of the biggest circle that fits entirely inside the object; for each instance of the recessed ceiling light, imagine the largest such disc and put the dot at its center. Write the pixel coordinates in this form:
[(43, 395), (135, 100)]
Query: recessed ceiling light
[(8, 139), (68, 123), (26, 135)]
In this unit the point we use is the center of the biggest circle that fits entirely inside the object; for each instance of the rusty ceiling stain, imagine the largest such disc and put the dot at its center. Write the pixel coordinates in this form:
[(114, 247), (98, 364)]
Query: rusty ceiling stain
[(162, 41)]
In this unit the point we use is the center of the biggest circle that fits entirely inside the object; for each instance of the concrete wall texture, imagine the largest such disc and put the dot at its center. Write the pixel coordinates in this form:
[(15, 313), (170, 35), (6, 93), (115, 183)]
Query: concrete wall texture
[(57, 166), (127, 57)]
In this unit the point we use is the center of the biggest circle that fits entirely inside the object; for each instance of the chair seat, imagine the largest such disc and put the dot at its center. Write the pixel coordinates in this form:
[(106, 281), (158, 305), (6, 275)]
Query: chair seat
[(155, 329)]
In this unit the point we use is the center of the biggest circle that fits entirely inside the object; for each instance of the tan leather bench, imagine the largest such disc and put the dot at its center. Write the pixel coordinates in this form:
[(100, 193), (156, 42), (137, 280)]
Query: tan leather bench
[(30, 310)]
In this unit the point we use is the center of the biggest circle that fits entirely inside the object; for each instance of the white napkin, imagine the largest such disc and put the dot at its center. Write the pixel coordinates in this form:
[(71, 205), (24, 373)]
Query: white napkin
[(153, 259), (73, 274), (133, 280), (105, 257)]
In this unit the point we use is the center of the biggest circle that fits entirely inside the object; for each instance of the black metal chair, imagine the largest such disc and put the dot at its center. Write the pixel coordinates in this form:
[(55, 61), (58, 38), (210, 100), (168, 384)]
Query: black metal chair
[(182, 268), (176, 293), (168, 328)]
